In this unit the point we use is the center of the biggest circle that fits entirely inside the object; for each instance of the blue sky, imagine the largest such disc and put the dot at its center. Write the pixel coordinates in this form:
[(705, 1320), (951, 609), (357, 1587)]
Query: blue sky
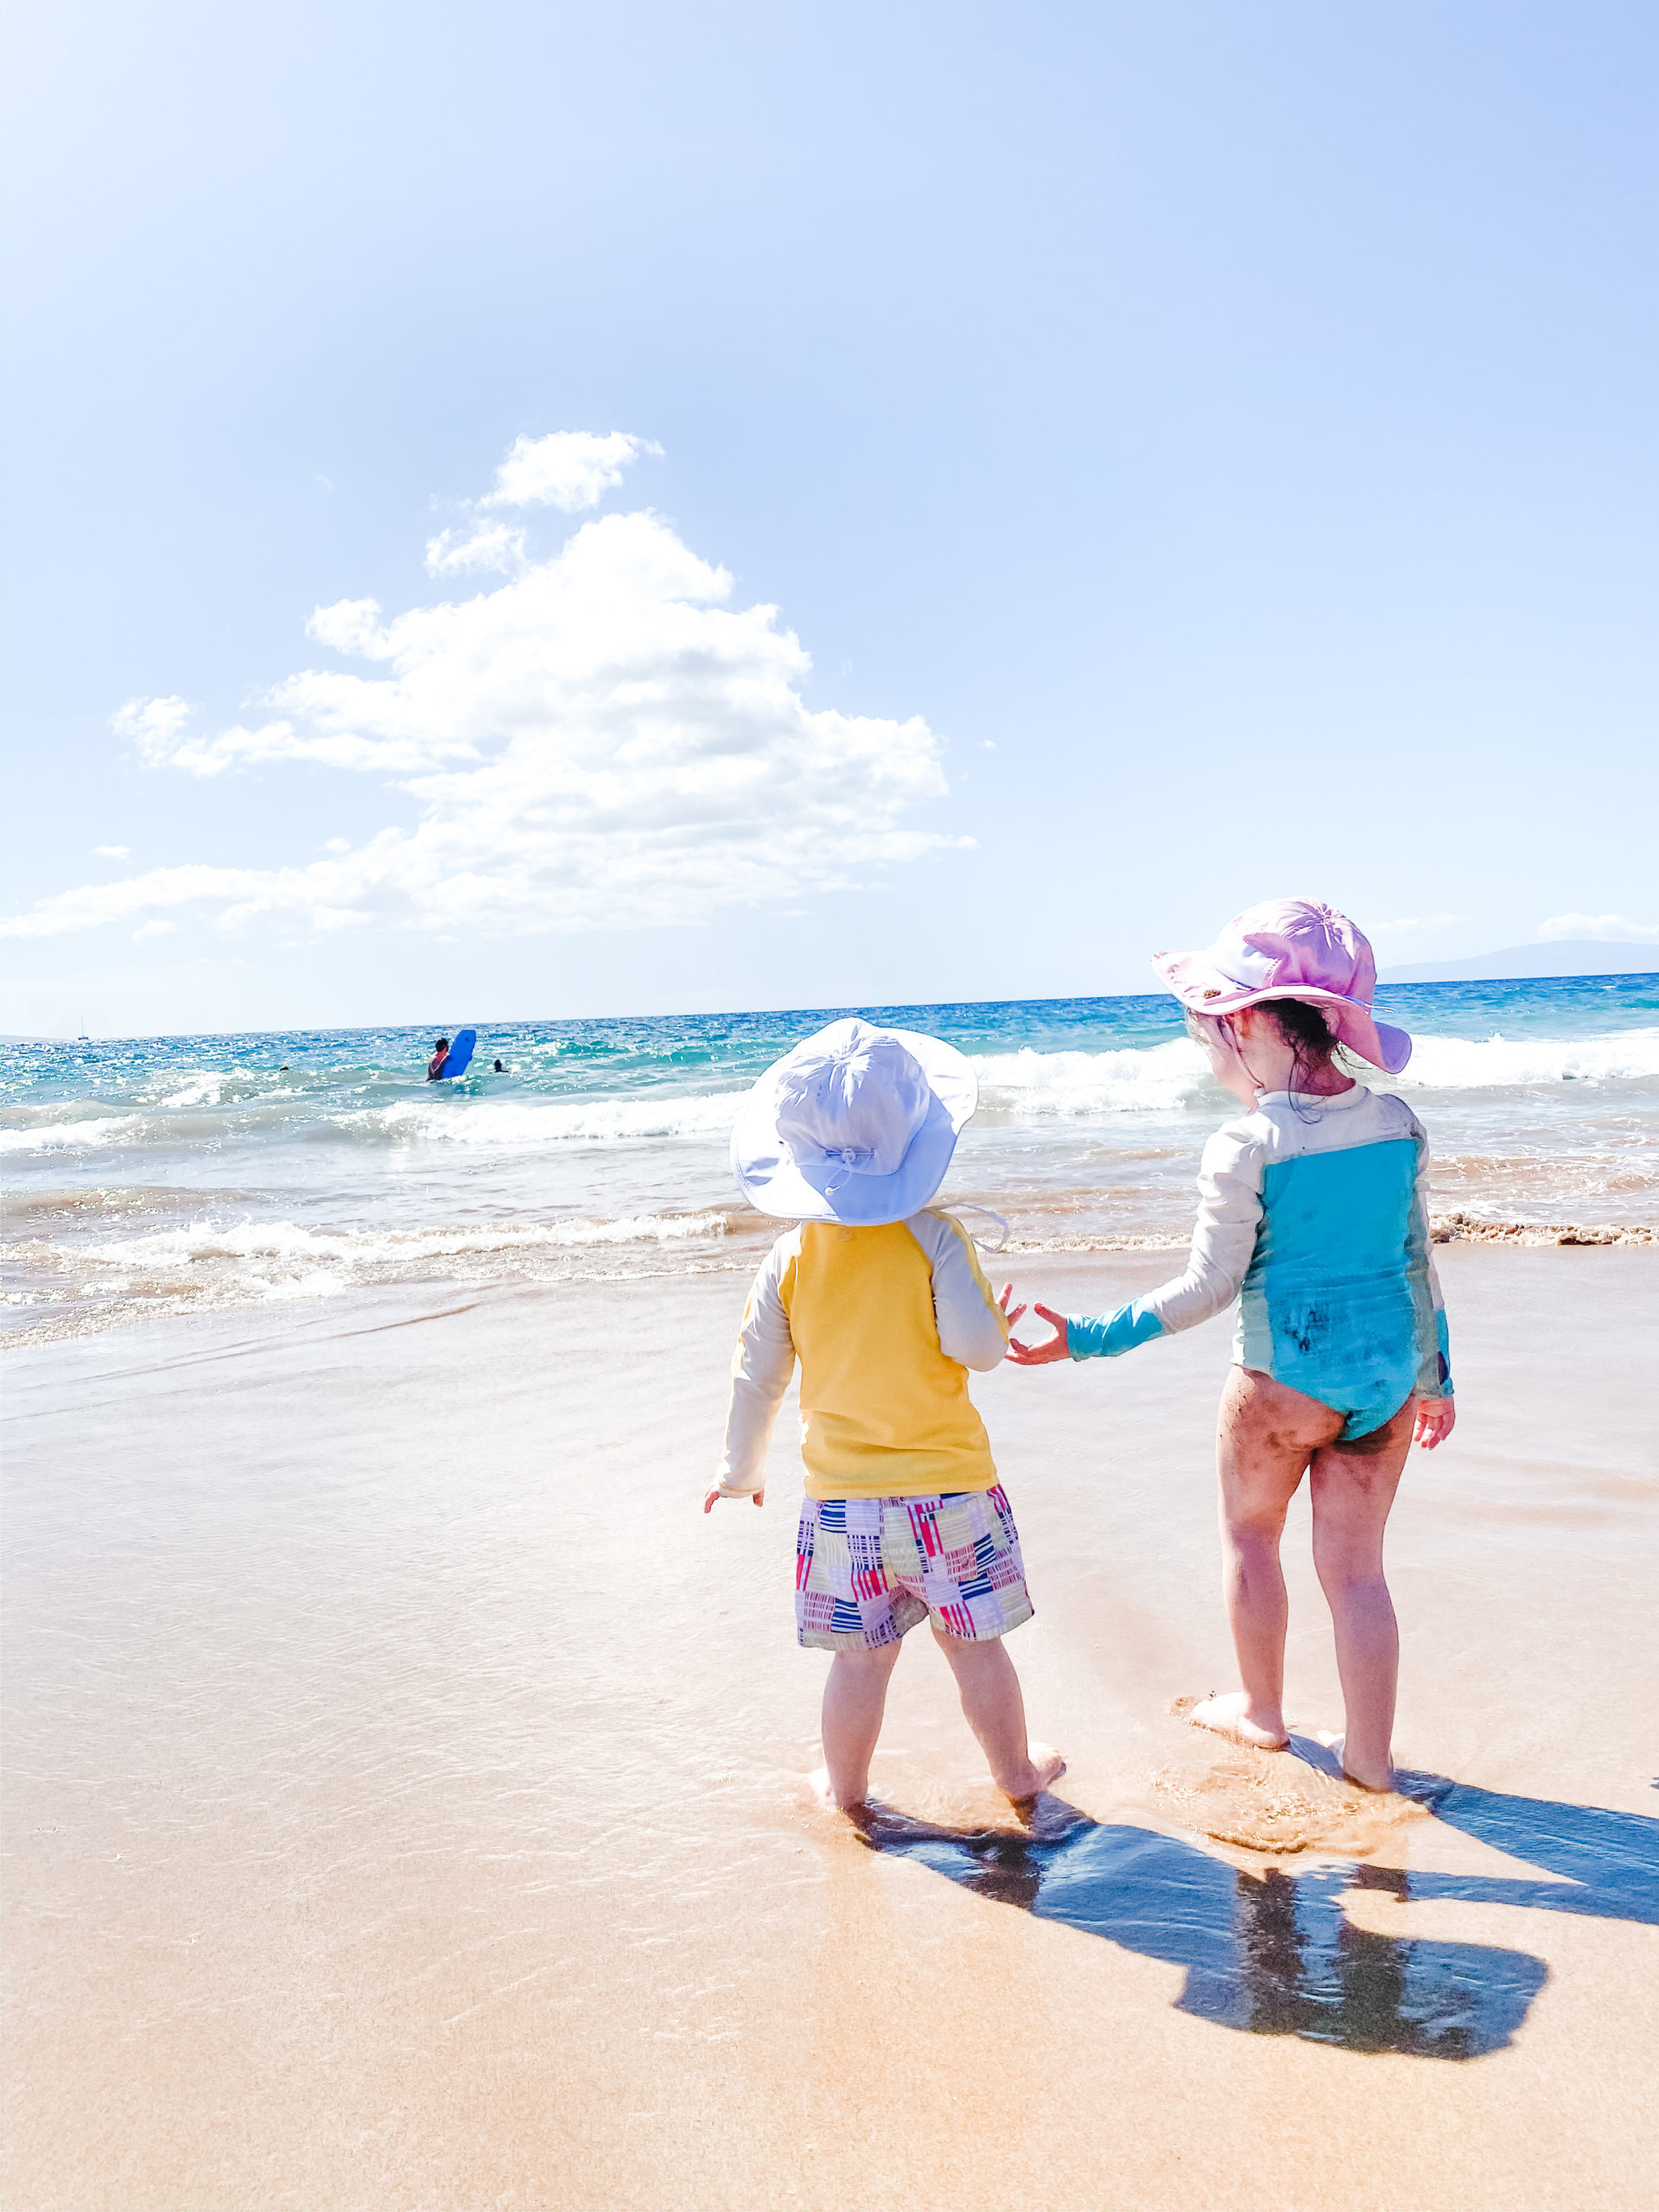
[(1194, 453)]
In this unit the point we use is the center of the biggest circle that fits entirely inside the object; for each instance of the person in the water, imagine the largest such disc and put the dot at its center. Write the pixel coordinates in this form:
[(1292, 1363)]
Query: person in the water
[(883, 1301), (1312, 1213), (440, 1054)]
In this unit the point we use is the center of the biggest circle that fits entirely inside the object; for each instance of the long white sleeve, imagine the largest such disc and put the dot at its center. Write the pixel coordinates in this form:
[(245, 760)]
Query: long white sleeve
[(1224, 1236), (971, 1325), (761, 1367), (1433, 1346)]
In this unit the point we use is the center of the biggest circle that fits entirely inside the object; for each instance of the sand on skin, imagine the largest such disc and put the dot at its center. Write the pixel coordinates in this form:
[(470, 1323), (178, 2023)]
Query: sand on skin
[(404, 1802)]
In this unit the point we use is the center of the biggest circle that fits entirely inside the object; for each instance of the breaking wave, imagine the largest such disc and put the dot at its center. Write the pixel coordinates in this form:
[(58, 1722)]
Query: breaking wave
[(1497, 1062), (1175, 1077)]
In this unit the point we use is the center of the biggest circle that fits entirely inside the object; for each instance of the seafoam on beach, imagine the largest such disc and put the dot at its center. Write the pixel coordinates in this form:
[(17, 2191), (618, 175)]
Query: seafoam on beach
[(186, 1173)]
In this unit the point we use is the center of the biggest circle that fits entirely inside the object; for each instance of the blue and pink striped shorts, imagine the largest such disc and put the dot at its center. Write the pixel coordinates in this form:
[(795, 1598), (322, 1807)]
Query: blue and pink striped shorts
[(867, 1569)]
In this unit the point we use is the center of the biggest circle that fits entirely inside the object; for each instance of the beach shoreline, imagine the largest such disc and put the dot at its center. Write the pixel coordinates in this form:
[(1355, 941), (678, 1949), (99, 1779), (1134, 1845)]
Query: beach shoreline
[(407, 1798), (743, 1237), (192, 1175)]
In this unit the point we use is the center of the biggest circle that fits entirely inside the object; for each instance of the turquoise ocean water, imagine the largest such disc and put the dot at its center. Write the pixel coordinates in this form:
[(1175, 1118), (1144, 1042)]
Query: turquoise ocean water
[(149, 1174)]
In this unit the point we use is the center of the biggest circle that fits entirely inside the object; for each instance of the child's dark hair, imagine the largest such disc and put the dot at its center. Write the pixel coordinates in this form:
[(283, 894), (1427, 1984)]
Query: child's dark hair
[(1309, 1035), (1304, 1028)]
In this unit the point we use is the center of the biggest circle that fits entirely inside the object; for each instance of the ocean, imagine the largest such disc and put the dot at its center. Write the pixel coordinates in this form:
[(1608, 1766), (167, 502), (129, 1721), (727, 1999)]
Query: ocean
[(155, 1174)]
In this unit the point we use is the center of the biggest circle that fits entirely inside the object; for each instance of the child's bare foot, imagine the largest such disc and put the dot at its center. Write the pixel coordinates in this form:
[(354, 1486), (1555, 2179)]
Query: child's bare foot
[(1378, 1780), (824, 1790), (858, 1810), (1230, 1715), (1044, 1767)]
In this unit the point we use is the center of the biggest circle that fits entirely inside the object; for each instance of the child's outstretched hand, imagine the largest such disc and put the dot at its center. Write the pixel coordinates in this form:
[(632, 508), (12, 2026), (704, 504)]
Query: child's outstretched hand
[(1007, 1293), (1436, 1417), (1057, 1347), (713, 1498)]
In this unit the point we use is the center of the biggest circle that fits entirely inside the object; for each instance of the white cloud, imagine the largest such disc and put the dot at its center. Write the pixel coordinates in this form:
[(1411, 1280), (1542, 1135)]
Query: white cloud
[(153, 929), (1601, 926), (570, 470), (1416, 922), (602, 740), (153, 725), (114, 852), (492, 545)]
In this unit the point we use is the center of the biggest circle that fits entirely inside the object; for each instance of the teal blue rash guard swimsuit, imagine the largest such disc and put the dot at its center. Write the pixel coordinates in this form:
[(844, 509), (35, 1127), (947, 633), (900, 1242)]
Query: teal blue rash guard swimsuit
[(1312, 1213)]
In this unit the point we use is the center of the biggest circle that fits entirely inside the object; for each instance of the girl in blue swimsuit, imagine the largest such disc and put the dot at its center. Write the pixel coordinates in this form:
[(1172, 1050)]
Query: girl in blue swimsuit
[(1312, 1216)]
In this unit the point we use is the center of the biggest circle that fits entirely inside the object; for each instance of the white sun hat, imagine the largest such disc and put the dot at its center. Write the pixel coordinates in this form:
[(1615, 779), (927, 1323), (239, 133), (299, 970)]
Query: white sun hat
[(855, 1125)]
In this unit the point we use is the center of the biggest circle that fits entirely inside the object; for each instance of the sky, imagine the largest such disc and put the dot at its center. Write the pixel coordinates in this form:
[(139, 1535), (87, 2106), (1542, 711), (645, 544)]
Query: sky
[(542, 509)]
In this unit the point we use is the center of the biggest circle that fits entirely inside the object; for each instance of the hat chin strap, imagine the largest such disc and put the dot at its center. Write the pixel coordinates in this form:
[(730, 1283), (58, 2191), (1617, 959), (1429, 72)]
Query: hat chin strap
[(967, 1205), (850, 1155)]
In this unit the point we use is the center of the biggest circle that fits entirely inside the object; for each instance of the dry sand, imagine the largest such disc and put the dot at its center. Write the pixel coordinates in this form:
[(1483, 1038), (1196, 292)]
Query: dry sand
[(405, 1802)]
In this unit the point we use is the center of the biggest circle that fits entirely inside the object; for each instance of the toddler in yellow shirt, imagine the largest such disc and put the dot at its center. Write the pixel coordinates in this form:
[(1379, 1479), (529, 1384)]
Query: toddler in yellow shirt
[(883, 1301)]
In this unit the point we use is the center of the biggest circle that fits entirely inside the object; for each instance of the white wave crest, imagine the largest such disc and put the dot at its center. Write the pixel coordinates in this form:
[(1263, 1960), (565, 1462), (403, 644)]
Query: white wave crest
[(1030, 1085), (217, 1087), (1491, 1063), (71, 1136), (286, 1245), (1150, 1079), (521, 1125)]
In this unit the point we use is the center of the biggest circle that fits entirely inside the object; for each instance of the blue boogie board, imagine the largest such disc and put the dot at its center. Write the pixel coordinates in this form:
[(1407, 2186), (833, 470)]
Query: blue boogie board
[(459, 1054)]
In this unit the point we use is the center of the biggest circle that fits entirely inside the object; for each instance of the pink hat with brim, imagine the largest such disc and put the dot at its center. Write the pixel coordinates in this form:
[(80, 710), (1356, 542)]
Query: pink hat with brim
[(1291, 949)]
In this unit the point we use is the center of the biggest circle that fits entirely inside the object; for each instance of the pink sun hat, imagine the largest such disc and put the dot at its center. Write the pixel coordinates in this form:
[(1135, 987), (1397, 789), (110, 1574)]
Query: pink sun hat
[(1291, 949)]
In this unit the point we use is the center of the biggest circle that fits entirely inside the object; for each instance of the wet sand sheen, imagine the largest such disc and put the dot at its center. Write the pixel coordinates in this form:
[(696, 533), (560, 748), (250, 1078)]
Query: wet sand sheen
[(405, 1802)]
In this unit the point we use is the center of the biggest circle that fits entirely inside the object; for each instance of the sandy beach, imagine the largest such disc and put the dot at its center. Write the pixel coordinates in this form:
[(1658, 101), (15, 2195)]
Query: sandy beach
[(406, 1801)]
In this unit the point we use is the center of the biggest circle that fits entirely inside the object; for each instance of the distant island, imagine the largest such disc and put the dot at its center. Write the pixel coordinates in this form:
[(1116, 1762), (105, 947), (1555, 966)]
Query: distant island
[(1573, 957), (8, 1037)]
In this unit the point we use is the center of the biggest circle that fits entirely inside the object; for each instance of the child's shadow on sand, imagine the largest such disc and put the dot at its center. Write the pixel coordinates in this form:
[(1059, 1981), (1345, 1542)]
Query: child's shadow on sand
[(1275, 1954)]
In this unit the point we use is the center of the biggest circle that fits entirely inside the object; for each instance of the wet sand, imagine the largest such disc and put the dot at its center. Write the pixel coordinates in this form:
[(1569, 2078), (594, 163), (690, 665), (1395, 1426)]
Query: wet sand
[(405, 1801)]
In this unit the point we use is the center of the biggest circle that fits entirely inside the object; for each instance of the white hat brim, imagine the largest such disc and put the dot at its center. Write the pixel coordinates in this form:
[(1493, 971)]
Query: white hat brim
[(772, 1180)]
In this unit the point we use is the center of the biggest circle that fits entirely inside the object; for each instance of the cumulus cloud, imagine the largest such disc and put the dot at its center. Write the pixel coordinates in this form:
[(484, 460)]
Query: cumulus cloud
[(114, 852), (571, 470), (1602, 926), (603, 740), (489, 545), (153, 725)]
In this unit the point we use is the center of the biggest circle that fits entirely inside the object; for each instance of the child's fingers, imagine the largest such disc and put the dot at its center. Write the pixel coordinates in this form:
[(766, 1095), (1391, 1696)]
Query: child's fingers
[(759, 1498), (711, 1501), (1434, 1423), (1037, 1355), (1054, 1320)]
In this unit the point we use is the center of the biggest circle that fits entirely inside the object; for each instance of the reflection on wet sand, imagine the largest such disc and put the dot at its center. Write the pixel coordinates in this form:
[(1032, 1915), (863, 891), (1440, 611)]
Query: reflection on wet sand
[(1275, 1954)]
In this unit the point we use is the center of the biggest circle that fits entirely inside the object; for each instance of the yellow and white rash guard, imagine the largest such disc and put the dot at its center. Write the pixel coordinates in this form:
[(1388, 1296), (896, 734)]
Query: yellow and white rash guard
[(886, 1322)]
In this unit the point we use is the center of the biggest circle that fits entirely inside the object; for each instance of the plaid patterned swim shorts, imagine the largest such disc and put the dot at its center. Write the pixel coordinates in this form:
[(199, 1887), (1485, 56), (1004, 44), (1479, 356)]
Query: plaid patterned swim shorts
[(867, 1569)]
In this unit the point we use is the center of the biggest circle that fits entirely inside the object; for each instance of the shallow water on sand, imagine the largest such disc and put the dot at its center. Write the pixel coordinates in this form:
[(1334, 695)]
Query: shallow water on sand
[(181, 1173), (408, 1795)]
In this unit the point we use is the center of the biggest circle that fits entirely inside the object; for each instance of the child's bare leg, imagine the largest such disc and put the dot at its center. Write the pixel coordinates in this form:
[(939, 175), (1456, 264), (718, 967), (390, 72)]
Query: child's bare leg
[(995, 1710), (1266, 1434), (855, 1698), (1353, 1487)]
